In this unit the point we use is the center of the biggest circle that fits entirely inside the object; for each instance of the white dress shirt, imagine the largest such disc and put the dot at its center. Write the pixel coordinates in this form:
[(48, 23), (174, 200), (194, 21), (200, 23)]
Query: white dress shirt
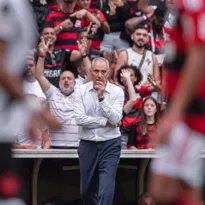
[(93, 115), (79, 81)]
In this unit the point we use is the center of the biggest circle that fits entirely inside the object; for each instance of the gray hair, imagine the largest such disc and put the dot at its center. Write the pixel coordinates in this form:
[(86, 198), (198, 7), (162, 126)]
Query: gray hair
[(100, 59)]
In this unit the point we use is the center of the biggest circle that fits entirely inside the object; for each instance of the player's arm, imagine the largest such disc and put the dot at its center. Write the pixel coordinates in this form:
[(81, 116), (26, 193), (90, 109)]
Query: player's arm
[(45, 139), (163, 90), (156, 73), (10, 83), (190, 79), (193, 70)]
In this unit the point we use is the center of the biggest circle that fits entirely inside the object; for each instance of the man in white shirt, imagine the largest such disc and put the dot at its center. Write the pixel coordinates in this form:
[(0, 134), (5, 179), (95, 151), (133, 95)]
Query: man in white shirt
[(30, 84), (98, 110), (61, 102)]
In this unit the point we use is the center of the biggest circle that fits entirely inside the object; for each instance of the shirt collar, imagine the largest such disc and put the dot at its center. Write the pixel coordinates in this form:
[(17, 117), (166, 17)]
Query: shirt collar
[(81, 78), (107, 88)]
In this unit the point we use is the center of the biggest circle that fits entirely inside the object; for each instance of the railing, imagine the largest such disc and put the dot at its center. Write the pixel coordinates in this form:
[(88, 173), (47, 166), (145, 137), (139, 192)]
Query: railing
[(39, 155), (71, 153)]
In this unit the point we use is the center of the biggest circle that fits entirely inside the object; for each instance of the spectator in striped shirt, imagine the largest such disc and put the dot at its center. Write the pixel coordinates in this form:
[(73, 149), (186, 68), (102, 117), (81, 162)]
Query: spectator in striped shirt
[(52, 5), (66, 23), (130, 77), (103, 27), (143, 134), (58, 60), (91, 52), (61, 103)]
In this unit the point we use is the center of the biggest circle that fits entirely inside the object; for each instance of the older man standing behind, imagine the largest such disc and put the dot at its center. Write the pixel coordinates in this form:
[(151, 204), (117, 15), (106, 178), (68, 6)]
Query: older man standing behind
[(98, 109), (60, 102)]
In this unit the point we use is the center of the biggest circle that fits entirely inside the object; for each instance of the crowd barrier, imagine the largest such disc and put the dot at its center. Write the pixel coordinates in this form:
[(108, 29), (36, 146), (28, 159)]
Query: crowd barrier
[(39, 155)]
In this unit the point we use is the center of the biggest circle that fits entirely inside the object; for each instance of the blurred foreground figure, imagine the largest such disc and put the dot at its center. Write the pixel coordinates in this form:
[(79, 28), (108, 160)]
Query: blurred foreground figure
[(177, 177), (16, 37)]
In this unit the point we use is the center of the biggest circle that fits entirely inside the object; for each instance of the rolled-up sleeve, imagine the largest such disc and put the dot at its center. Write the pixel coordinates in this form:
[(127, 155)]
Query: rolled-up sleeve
[(81, 118), (113, 112)]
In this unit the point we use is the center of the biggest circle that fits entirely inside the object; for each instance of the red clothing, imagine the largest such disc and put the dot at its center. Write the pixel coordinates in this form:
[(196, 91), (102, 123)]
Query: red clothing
[(134, 114), (140, 141), (187, 32), (52, 5), (85, 23), (66, 39)]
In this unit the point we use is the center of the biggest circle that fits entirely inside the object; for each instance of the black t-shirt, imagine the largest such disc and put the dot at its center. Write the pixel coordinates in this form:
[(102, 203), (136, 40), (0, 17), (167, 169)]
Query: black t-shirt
[(113, 20), (55, 63), (129, 10)]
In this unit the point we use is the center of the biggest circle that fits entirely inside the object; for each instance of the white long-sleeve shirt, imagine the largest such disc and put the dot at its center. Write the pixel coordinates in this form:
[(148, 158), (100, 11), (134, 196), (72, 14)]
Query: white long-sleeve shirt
[(93, 115)]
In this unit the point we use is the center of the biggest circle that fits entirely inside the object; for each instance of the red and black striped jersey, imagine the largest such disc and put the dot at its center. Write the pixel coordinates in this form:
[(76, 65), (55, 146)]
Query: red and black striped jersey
[(140, 141), (66, 39), (52, 5), (85, 23), (188, 31), (134, 114)]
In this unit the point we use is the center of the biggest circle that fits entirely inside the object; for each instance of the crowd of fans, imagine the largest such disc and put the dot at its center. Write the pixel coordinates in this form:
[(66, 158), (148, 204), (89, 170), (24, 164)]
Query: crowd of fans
[(74, 32)]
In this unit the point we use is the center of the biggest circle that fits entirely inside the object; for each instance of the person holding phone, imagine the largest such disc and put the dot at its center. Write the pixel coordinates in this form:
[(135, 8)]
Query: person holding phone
[(102, 28), (68, 26)]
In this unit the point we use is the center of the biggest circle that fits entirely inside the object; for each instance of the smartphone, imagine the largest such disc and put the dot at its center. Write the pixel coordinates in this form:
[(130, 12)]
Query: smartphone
[(90, 33), (73, 19)]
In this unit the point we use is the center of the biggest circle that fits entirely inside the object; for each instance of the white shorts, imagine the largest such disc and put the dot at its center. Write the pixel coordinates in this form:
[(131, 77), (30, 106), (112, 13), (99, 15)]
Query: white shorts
[(180, 158)]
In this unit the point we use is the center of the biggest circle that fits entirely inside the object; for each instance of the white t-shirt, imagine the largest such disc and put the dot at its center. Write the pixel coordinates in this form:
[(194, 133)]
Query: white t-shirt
[(63, 109), (18, 31), (33, 88)]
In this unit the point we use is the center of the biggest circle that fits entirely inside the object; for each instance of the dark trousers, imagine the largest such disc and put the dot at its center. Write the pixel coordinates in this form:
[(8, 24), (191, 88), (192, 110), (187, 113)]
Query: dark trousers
[(98, 167)]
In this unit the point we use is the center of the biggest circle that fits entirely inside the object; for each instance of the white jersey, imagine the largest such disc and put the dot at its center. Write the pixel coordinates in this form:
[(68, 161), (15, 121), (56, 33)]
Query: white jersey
[(135, 58), (18, 32)]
